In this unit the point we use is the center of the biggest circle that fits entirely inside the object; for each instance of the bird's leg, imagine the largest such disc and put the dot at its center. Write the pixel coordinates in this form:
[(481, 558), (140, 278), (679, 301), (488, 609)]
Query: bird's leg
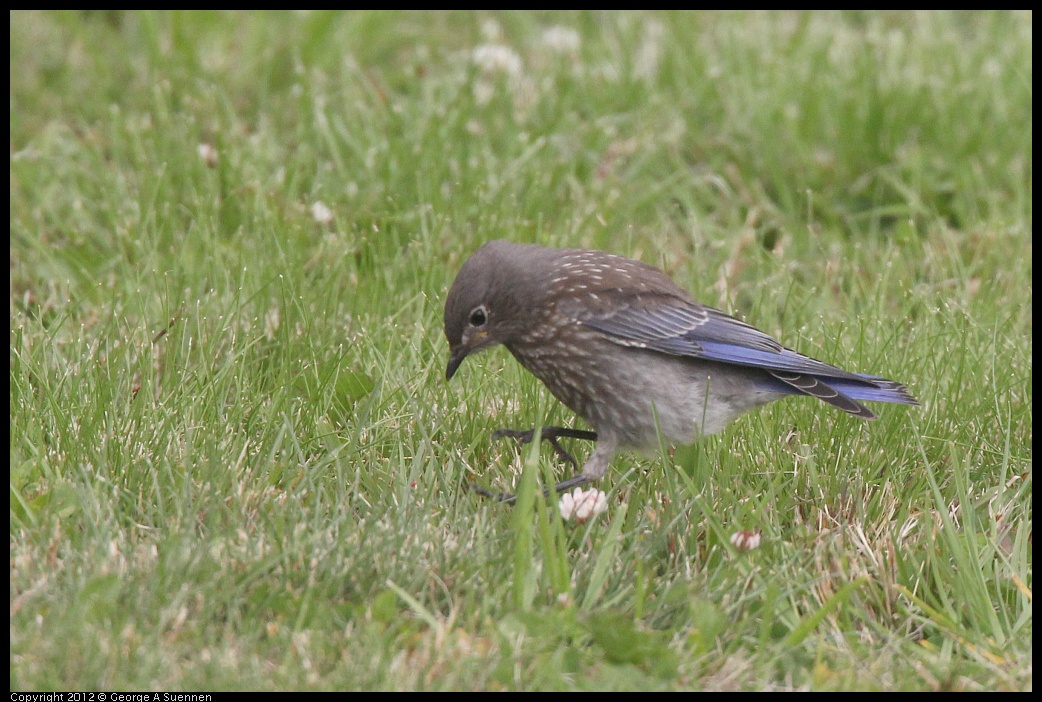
[(551, 434)]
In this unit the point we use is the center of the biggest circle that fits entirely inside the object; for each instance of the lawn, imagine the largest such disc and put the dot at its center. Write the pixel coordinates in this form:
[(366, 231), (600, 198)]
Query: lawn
[(236, 463)]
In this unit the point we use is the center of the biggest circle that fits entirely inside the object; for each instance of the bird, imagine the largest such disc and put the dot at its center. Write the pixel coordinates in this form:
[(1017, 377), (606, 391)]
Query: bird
[(629, 351)]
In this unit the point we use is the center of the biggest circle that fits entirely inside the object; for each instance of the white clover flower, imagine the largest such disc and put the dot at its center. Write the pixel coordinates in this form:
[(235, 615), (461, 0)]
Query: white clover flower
[(745, 540), (562, 39), (581, 505), (321, 212), (208, 152), (491, 30), (646, 62), (497, 58)]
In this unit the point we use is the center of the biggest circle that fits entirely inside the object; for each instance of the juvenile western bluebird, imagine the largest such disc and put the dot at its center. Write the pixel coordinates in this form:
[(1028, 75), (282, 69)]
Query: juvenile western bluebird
[(629, 351)]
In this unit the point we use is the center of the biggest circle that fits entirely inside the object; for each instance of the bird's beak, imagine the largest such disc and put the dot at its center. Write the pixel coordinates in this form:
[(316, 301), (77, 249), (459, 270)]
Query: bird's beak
[(456, 356), (469, 344)]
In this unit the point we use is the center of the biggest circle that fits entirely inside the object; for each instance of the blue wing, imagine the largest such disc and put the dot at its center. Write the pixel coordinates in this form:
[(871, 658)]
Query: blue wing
[(672, 325)]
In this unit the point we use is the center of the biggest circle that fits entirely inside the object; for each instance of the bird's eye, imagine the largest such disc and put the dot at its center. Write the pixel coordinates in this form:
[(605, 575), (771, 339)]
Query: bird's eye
[(478, 317)]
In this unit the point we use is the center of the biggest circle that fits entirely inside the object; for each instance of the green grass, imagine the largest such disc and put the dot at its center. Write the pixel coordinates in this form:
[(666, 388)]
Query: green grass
[(235, 462)]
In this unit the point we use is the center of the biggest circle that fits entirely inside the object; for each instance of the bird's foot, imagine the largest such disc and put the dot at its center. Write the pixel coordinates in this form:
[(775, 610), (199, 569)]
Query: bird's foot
[(551, 434), (509, 498), (497, 496)]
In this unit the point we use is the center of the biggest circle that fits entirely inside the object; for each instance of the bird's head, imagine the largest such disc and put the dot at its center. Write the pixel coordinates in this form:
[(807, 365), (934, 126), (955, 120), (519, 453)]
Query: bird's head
[(485, 305)]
